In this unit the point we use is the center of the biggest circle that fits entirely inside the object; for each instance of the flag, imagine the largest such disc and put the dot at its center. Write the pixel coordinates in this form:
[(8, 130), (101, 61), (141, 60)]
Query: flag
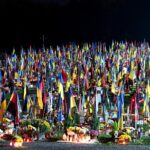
[(13, 107), (106, 115), (64, 75), (74, 75), (83, 101), (51, 102), (80, 105), (121, 107), (71, 103), (25, 90), (25, 100), (113, 89), (16, 75), (60, 86), (3, 103), (0, 76), (60, 117), (111, 107), (132, 75), (146, 100), (99, 83), (145, 105), (122, 97), (68, 85), (39, 94), (119, 114), (120, 75), (45, 98), (13, 51), (29, 103), (86, 82), (136, 112), (60, 92), (19, 110)]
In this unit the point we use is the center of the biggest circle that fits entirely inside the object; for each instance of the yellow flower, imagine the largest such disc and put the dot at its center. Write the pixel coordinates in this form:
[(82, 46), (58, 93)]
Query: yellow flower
[(5, 120), (46, 124), (18, 139), (125, 137)]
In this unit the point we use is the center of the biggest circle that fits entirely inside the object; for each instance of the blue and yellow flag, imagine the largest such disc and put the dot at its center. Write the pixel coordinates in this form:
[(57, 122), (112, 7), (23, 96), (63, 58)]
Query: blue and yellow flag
[(71, 102), (60, 86), (146, 100), (39, 95)]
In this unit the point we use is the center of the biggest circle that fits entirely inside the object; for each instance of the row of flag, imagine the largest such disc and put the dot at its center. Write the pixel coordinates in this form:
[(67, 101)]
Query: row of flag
[(84, 67)]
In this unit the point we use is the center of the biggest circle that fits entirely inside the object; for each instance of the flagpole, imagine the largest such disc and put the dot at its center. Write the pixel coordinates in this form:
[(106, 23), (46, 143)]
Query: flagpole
[(78, 86), (43, 39)]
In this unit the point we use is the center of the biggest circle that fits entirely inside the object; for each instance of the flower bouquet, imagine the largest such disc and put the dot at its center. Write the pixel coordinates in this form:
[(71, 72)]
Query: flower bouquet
[(54, 136), (94, 134), (124, 139)]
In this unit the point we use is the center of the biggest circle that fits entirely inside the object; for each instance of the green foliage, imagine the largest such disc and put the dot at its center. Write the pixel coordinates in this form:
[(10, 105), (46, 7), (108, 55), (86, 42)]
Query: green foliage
[(146, 127), (25, 122), (42, 125), (58, 134), (20, 92), (145, 140), (72, 121), (101, 126), (8, 97), (115, 126), (95, 123), (76, 119), (104, 138), (110, 143), (68, 122), (137, 142)]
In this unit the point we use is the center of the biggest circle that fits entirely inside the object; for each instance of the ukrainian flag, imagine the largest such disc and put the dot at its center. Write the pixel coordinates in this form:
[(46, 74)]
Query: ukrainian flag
[(60, 86), (39, 96), (25, 90), (113, 89), (146, 100), (120, 105), (71, 102)]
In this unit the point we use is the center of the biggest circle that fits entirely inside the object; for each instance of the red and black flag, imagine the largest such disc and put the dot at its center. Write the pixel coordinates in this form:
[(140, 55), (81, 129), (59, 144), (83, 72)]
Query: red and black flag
[(13, 107)]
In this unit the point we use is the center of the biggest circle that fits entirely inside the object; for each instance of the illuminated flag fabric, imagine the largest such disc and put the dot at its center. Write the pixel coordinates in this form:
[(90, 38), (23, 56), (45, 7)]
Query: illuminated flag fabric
[(64, 75), (0, 76), (146, 100), (3, 103), (39, 94), (14, 106), (60, 86), (71, 102), (119, 114)]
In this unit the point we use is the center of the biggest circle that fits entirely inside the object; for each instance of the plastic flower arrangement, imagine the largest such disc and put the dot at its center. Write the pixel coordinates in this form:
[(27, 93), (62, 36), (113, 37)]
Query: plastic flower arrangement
[(16, 141), (44, 126), (83, 130), (94, 133), (124, 137), (74, 129)]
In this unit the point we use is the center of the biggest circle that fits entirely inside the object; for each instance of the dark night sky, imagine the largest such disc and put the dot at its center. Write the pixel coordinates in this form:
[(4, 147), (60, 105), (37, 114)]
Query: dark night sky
[(22, 22)]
